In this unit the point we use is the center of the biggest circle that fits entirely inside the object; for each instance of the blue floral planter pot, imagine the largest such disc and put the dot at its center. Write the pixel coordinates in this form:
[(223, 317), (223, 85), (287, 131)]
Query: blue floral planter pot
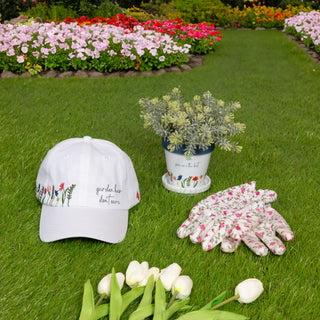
[(186, 175)]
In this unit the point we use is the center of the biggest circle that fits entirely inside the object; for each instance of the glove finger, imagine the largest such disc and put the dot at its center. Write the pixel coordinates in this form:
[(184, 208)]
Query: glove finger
[(199, 233), (267, 235), (213, 237), (229, 245), (281, 226), (274, 244), (189, 225), (254, 244), (198, 215)]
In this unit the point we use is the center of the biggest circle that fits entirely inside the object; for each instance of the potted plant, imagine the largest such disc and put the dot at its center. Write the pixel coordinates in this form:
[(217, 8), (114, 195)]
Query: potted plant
[(190, 131)]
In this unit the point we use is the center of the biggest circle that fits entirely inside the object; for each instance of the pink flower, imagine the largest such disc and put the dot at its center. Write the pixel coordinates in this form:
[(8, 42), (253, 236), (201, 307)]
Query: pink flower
[(20, 59)]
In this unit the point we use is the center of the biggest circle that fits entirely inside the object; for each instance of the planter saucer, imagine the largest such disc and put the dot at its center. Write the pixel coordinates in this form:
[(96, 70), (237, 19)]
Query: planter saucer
[(204, 186)]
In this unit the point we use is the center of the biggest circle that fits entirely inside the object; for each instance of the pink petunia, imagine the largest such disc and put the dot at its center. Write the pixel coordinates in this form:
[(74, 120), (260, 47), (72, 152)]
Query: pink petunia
[(20, 59)]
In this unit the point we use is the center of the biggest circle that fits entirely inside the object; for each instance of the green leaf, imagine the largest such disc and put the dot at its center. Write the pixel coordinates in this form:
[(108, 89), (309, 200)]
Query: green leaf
[(87, 309), (130, 296), (145, 306), (160, 302), (115, 298), (212, 315), (101, 311), (142, 313), (176, 306), (147, 296), (215, 301)]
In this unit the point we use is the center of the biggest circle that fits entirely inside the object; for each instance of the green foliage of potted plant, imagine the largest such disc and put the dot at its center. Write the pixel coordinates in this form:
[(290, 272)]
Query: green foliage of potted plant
[(195, 125), (190, 131)]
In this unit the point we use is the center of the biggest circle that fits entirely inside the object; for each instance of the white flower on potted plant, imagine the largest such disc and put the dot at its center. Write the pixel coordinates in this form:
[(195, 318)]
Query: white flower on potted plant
[(104, 285), (136, 273), (249, 290), (169, 274)]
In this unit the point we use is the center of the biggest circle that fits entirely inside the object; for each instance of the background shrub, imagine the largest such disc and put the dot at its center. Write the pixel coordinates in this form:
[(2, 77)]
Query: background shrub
[(53, 13), (9, 9), (195, 11), (58, 12), (103, 9)]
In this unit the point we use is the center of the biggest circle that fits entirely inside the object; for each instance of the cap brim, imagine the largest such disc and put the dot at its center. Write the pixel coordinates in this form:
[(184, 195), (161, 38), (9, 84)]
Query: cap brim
[(58, 223)]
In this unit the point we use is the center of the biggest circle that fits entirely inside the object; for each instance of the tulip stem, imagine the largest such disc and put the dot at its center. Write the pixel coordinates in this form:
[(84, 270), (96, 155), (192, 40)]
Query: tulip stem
[(100, 299), (172, 299), (237, 296)]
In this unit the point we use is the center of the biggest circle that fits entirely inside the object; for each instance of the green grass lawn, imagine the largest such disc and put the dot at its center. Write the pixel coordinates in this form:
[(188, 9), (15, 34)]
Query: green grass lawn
[(278, 86)]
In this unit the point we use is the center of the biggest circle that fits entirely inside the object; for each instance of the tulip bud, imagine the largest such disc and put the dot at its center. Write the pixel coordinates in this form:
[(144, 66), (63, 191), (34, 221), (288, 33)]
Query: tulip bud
[(169, 275), (136, 272), (182, 286), (152, 271), (105, 283), (249, 290)]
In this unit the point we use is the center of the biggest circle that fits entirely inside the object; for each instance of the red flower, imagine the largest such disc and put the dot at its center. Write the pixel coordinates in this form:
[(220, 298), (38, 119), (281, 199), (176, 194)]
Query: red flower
[(138, 195), (195, 179), (61, 186)]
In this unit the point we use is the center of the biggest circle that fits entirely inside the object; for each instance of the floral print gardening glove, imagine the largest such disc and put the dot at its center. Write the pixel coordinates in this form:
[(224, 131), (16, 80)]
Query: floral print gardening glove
[(235, 214)]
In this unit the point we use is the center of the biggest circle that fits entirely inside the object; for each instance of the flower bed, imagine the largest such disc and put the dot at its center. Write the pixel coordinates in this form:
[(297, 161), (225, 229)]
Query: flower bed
[(202, 37), (106, 45), (72, 47), (306, 26), (263, 16)]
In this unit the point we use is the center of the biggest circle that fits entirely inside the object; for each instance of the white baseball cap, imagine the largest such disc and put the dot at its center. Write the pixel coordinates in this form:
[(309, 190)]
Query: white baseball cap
[(86, 187)]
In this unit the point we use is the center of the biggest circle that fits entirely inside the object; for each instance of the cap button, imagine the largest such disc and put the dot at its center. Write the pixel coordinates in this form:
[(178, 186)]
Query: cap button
[(87, 138)]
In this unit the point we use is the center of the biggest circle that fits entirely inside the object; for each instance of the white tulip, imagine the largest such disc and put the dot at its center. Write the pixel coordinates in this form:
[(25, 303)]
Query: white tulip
[(104, 285), (249, 290), (182, 287), (169, 275), (136, 272), (152, 271)]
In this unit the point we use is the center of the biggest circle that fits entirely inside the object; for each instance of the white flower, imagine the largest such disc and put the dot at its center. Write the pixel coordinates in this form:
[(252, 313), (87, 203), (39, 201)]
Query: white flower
[(152, 271), (136, 272), (105, 283), (249, 290), (169, 275), (183, 286)]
